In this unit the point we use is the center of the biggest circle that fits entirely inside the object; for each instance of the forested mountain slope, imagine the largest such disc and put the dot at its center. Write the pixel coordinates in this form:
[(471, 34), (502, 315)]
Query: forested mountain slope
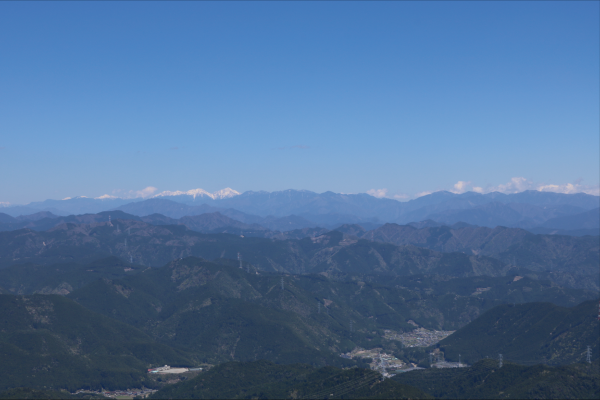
[(49, 341), (223, 312), (157, 245), (62, 278), (573, 260), (529, 333), (566, 260), (585, 220), (266, 380), (43, 221), (485, 380)]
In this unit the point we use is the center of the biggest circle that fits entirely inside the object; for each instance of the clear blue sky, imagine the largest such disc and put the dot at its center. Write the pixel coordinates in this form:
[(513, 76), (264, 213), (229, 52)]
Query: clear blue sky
[(97, 97)]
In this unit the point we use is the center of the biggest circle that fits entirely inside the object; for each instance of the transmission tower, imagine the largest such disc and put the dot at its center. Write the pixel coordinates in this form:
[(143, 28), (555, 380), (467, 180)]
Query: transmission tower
[(240, 260), (589, 355), (430, 358), (125, 242), (499, 360)]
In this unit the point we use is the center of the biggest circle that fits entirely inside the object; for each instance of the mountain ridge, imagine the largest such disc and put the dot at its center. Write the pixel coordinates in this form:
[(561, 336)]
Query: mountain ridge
[(361, 205), (567, 260)]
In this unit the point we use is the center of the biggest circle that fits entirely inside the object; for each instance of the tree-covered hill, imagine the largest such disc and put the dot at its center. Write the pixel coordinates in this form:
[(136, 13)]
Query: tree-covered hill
[(485, 380), (585, 220), (490, 290), (43, 221), (569, 260), (572, 260), (430, 290), (28, 393), (529, 333), (471, 239), (222, 312), (62, 278), (156, 245), (392, 250), (265, 380), (51, 342)]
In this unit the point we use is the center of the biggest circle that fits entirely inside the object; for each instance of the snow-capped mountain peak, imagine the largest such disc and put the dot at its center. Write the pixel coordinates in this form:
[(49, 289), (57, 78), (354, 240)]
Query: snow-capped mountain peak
[(194, 192), (221, 194), (225, 193)]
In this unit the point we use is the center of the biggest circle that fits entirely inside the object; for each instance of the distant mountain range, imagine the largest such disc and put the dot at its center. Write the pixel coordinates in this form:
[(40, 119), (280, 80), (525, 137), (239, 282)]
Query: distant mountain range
[(540, 212), (399, 250), (200, 193), (566, 260), (93, 292)]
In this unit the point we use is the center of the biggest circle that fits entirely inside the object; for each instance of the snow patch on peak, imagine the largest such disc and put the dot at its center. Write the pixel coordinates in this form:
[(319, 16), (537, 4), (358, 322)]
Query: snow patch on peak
[(225, 193), (106, 197), (169, 193), (4, 204), (221, 194), (198, 193)]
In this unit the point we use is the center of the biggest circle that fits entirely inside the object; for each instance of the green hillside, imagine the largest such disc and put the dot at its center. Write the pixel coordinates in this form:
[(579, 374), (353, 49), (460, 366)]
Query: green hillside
[(222, 312), (569, 261), (491, 290), (156, 245), (51, 342), (62, 278), (484, 380), (27, 393), (573, 260), (529, 333), (265, 380), (470, 239)]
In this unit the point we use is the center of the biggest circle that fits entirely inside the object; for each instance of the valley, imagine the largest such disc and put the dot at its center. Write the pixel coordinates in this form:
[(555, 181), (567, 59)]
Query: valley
[(299, 200), (208, 290)]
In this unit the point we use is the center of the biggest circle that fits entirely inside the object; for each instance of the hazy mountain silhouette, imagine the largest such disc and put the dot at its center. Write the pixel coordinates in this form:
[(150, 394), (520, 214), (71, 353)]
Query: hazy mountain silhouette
[(446, 206)]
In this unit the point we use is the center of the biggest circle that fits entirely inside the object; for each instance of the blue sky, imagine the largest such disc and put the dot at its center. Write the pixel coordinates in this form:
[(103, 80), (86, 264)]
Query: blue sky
[(401, 97)]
